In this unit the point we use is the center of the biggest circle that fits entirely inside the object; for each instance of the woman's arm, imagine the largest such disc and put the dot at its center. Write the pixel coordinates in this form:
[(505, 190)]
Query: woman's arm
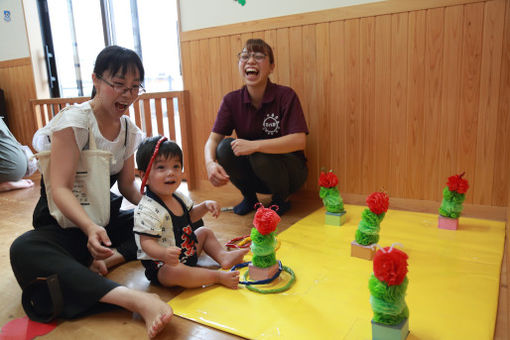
[(279, 145), (215, 172), (126, 182), (63, 164), (152, 248)]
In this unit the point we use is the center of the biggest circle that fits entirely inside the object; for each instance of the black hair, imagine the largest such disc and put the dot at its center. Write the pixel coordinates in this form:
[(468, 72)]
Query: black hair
[(114, 58), (167, 149), (259, 45)]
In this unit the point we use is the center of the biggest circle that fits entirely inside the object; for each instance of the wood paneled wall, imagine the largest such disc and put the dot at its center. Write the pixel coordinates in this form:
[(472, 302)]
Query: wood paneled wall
[(396, 97), (17, 82)]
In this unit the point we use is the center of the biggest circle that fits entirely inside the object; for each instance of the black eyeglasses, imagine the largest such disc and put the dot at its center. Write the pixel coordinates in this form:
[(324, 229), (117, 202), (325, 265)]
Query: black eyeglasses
[(121, 89), (258, 56)]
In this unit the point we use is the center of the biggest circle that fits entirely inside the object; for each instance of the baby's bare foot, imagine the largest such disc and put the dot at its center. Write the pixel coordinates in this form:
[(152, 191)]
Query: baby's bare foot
[(229, 279), (230, 258), (155, 312)]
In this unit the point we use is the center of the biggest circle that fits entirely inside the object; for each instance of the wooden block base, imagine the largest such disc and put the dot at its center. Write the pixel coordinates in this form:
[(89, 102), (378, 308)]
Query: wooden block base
[(257, 273), (336, 219), (363, 252), (448, 223), (390, 332)]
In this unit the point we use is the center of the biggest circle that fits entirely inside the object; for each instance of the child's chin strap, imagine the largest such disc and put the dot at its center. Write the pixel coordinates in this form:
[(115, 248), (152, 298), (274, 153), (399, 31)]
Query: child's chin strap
[(148, 170)]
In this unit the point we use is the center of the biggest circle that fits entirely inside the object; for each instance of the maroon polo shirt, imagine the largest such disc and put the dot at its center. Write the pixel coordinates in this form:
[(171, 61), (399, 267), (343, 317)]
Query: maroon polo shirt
[(280, 114)]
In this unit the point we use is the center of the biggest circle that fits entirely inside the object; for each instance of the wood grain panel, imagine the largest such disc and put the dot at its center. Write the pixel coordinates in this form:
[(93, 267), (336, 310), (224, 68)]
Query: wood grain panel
[(338, 127), (309, 101), (415, 104), (283, 53), (404, 97), (432, 105), (322, 93), (367, 101), (398, 116), (382, 101), (353, 105), (470, 90), (448, 128), (494, 15), (17, 82), (501, 178)]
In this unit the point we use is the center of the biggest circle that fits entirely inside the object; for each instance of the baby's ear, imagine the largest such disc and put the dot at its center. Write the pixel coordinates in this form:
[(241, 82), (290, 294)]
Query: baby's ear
[(141, 173)]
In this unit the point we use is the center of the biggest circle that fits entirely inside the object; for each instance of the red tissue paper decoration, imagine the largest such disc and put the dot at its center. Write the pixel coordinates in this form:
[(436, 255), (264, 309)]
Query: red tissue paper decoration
[(456, 183), (378, 202), (390, 266), (328, 179), (265, 220)]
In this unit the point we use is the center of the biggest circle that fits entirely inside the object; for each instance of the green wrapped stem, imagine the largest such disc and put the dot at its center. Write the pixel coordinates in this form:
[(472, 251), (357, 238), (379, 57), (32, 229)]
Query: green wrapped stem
[(388, 302), (331, 199), (366, 239), (263, 248), (451, 205)]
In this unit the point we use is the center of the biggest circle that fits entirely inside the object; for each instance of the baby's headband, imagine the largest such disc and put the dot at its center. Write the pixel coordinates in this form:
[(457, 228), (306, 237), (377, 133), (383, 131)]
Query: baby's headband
[(146, 176)]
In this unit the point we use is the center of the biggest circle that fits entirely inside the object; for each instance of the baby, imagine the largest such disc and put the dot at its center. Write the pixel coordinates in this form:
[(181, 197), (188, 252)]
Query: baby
[(167, 245)]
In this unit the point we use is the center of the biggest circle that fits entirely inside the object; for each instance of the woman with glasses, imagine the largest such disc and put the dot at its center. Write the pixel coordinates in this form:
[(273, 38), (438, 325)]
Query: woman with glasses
[(268, 155), (80, 256)]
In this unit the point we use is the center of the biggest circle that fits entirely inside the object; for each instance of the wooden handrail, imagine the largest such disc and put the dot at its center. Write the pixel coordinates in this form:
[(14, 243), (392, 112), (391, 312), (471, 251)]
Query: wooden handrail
[(148, 113)]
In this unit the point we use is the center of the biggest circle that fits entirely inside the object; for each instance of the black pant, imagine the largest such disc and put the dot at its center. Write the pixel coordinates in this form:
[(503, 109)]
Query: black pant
[(276, 174), (49, 249)]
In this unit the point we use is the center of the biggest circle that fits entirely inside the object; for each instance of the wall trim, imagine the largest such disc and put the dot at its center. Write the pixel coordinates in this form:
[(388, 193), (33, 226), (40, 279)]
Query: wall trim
[(15, 62), (328, 15)]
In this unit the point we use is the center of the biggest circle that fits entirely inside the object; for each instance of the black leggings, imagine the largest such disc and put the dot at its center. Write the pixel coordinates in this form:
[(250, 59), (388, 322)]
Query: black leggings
[(276, 174), (50, 249)]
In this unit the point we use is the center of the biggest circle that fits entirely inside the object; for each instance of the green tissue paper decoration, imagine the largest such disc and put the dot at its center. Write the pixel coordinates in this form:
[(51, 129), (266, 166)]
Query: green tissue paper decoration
[(263, 237), (388, 285), (371, 218), (329, 193), (453, 196)]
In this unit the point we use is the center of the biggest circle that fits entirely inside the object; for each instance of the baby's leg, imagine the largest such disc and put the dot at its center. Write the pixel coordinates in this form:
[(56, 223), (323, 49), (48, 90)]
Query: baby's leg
[(212, 247), (193, 277)]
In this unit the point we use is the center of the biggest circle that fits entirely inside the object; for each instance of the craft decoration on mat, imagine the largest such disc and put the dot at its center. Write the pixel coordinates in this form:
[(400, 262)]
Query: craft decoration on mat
[(454, 195), (335, 212), (388, 285), (264, 268), (367, 234), (244, 242), (25, 329)]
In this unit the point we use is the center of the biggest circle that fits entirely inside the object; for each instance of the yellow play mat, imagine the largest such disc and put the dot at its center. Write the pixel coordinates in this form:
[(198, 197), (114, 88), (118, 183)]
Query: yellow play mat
[(452, 293)]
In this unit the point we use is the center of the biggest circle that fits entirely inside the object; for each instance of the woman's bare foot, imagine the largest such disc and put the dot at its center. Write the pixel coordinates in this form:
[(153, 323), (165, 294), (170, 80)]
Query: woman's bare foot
[(155, 313), (99, 266), (229, 279), (13, 185), (228, 259)]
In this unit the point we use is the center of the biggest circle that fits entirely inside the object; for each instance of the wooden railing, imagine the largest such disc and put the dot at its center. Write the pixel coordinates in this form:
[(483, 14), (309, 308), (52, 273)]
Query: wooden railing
[(153, 113)]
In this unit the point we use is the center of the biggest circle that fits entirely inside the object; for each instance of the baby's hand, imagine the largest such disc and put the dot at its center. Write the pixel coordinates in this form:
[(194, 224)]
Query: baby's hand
[(172, 256), (213, 207)]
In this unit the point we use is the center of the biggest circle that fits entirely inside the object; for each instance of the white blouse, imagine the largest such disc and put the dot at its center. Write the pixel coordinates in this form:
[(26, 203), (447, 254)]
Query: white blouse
[(80, 117)]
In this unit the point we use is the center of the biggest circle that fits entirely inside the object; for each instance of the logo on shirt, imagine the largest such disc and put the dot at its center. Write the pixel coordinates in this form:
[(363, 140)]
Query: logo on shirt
[(271, 124)]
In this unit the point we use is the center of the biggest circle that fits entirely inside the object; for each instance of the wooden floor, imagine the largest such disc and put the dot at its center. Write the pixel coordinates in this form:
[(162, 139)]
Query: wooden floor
[(16, 218)]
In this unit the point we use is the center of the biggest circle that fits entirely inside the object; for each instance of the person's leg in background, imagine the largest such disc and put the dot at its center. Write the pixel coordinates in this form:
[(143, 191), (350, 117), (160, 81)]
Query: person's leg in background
[(13, 162), (282, 174), (241, 175)]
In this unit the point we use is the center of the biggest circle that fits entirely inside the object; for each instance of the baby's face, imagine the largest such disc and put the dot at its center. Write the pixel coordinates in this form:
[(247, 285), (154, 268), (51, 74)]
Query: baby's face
[(165, 176)]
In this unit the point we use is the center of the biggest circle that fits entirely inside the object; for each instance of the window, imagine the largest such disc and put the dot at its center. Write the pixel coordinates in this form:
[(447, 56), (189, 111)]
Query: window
[(80, 29)]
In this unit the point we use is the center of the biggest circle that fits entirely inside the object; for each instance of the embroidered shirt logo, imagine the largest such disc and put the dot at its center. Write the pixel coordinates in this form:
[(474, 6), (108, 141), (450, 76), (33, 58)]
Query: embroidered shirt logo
[(271, 124)]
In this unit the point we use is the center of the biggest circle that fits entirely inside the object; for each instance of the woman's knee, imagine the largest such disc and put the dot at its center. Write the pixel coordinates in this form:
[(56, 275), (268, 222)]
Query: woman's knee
[(224, 150)]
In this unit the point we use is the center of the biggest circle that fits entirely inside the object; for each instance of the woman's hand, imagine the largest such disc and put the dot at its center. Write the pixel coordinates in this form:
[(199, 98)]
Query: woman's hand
[(216, 174), (98, 239), (243, 147), (171, 256), (213, 207)]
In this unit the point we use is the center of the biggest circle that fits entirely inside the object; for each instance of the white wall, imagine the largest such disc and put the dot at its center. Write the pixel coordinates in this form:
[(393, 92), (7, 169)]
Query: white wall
[(197, 14), (13, 36)]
